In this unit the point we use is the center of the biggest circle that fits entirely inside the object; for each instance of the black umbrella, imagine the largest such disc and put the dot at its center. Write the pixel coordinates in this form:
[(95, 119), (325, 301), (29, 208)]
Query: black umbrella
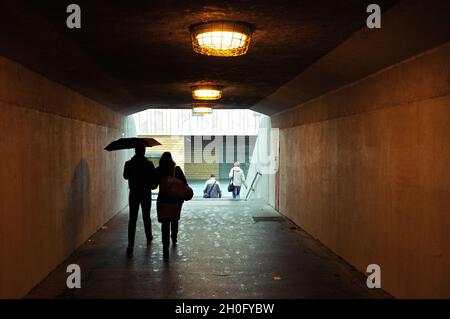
[(132, 142)]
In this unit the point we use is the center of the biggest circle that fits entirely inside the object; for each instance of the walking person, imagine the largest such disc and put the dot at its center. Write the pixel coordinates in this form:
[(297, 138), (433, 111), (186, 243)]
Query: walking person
[(139, 172), (173, 191), (237, 179), (212, 188)]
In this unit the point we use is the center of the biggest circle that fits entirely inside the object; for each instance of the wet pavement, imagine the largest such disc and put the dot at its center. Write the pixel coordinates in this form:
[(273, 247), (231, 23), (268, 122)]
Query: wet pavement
[(226, 249)]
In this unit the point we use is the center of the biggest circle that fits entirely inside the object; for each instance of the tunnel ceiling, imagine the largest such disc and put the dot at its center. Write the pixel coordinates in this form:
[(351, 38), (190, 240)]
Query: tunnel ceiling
[(132, 55)]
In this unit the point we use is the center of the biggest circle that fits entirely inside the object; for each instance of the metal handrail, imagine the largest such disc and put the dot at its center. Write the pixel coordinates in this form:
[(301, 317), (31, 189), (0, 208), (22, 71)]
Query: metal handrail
[(251, 186)]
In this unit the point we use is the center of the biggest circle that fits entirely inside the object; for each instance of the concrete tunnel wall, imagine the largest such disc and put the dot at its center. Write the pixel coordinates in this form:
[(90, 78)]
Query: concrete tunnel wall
[(365, 169), (57, 184)]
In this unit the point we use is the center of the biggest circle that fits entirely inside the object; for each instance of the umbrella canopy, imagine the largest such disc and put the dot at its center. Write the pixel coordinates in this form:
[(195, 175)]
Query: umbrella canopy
[(132, 142)]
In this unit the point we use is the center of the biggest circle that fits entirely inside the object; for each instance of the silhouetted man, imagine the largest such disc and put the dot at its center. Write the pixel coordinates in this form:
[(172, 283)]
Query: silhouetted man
[(139, 172)]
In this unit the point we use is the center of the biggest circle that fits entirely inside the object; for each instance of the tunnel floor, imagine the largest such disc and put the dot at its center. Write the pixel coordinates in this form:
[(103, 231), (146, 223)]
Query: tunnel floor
[(226, 249)]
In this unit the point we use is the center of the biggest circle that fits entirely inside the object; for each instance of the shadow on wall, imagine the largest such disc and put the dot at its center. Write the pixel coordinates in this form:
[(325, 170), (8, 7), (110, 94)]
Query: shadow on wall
[(77, 205)]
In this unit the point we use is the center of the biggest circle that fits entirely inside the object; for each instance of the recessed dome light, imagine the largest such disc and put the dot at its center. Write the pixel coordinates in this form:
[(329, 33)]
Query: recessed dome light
[(206, 92), (221, 38), (202, 108)]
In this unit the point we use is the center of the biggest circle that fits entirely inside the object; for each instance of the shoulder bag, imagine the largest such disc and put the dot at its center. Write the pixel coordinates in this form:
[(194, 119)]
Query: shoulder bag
[(231, 186)]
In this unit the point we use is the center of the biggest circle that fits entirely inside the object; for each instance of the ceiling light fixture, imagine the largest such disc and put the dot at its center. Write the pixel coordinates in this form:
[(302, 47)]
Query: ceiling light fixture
[(202, 108), (221, 38), (206, 92)]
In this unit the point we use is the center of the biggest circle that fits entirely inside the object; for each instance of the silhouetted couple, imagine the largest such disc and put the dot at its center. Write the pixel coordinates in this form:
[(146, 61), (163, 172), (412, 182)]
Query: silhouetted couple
[(142, 178)]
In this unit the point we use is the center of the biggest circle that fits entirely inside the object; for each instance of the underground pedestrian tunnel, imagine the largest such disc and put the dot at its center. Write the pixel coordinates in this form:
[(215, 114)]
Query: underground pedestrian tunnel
[(357, 120)]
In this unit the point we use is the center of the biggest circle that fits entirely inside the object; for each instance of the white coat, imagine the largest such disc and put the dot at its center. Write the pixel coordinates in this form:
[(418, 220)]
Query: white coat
[(239, 177)]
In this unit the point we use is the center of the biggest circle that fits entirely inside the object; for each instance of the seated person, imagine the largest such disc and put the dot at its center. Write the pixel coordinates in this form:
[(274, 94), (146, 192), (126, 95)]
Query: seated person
[(212, 188)]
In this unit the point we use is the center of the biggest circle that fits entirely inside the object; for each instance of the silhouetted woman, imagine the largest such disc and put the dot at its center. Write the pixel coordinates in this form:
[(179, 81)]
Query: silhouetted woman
[(168, 206)]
